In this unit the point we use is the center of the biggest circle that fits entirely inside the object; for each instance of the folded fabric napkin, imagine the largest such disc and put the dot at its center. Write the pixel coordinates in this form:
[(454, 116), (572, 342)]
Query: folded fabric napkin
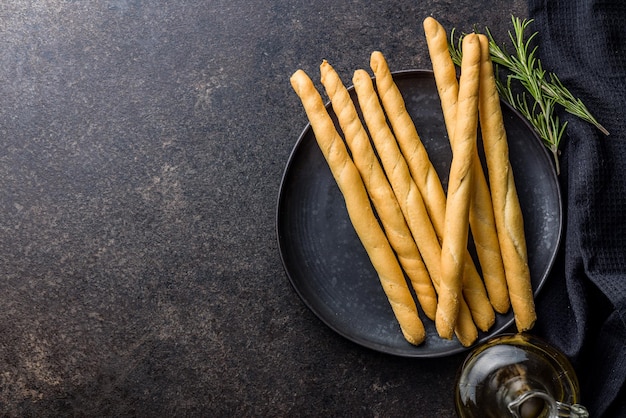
[(582, 309)]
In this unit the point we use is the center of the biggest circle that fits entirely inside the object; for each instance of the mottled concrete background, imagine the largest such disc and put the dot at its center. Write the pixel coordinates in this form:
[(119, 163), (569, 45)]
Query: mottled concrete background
[(142, 144)]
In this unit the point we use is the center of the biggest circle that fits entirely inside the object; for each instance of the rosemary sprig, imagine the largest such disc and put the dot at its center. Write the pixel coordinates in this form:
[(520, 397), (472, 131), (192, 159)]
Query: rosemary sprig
[(544, 90)]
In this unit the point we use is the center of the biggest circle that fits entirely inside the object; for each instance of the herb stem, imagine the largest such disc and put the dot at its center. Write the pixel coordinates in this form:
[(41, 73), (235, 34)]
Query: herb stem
[(545, 89)]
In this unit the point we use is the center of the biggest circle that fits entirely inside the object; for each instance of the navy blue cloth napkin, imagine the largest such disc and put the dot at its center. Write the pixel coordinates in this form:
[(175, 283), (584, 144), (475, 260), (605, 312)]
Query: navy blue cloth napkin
[(582, 309)]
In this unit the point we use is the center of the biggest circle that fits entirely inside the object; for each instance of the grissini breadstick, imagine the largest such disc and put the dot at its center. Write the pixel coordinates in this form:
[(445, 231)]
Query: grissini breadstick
[(416, 156), (465, 328), (428, 182), (443, 69), (482, 222), (507, 211), (379, 189), (407, 193), (460, 189), (359, 209)]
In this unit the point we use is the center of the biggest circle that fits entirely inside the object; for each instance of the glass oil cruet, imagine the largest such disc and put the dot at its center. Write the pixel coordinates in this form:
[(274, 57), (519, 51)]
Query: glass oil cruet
[(517, 375)]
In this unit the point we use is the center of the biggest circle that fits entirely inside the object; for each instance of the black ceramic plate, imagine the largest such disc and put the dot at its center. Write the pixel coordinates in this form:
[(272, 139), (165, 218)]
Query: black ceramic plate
[(330, 270)]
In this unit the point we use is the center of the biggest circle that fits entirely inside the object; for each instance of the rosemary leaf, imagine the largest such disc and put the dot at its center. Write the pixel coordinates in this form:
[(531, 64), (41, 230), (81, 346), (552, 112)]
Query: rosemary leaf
[(522, 70)]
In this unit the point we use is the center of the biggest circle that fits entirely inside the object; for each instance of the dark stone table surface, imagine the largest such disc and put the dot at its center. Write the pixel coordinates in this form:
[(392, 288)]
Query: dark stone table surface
[(142, 145)]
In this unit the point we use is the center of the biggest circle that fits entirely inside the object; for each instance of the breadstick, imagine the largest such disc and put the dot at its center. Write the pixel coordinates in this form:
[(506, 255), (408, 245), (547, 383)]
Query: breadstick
[(359, 210), (482, 222), (465, 328), (428, 182), (443, 70), (407, 192), (460, 188), (416, 156), (379, 189), (507, 211)]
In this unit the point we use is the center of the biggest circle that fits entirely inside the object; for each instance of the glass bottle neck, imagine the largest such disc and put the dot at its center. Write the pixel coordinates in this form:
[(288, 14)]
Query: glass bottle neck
[(536, 403)]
